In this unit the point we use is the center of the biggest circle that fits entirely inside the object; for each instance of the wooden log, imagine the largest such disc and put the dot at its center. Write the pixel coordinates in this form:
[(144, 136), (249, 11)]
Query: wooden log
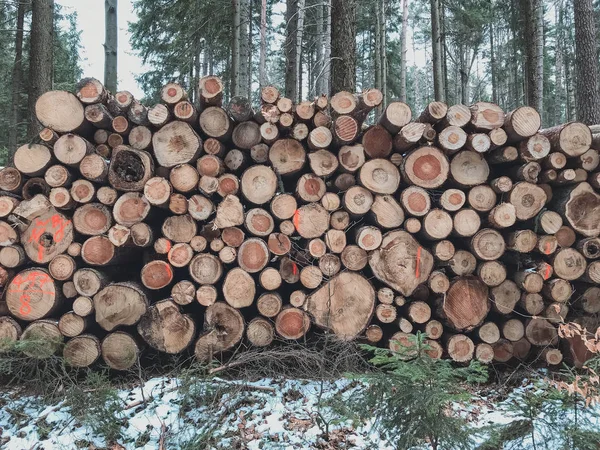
[(354, 258), (224, 328), (395, 116), (401, 246), (443, 250), (260, 332), (492, 273), (356, 295), (437, 225), (379, 176), (541, 333), (466, 304), (486, 116), (426, 167), (579, 206), (478, 142), (415, 201), (206, 269), (488, 244), (164, 328), (258, 184), (466, 222), (61, 267), (184, 178), (434, 112), (29, 159), (92, 219), (310, 188), (71, 325), (119, 304), (239, 288), (311, 221), (270, 279), (107, 195), (573, 139), (528, 200), (176, 143), (253, 255), (131, 208), (119, 350), (32, 294), (45, 339), (12, 256), (11, 179), (376, 141), (409, 136), (358, 200), (345, 130), (60, 111), (180, 255), (387, 212), (505, 296), (534, 148), (460, 348), (469, 168)]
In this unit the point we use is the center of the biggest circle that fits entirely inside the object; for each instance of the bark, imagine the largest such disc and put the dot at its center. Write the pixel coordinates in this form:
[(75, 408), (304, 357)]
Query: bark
[(588, 96), (41, 56), (436, 42), (343, 45), (110, 45), (17, 76)]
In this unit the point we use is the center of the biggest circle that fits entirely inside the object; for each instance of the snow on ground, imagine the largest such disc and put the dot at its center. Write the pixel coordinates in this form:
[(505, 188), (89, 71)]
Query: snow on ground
[(268, 414)]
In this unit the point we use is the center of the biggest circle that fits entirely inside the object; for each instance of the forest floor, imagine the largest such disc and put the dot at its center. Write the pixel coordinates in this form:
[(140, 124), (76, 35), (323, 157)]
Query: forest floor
[(170, 413)]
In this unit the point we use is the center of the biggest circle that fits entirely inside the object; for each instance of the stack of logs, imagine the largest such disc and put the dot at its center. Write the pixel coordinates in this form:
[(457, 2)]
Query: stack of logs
[(212, 225)]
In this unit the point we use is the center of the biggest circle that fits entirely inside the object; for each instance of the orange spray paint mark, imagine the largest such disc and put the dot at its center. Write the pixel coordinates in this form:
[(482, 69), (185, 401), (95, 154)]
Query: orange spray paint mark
[(57, 229), (169, 246), (294, 268), (418, 262), (297, 219), (37, 281), (169, 270)]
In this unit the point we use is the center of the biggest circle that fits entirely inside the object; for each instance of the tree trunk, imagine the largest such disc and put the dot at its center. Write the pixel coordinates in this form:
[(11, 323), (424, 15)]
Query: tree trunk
[(236, 51), (17, 75), (110, 45), (403, 51), (436, 42), (40, 57), (262, 66), (534, 47), (588, 97), (291, 49), (343, 45)]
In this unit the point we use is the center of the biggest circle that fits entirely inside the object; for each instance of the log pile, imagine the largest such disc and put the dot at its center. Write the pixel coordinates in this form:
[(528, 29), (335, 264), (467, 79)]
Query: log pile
[(200, 227)]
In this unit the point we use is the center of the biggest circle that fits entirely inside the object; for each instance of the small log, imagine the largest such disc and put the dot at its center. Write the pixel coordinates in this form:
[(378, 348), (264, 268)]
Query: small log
[(239, 288), (443, 250), (164, 328), (376, 141), (253, 255), (395, 116), (469, 168), (119, 304), (71, 325), (83, 306), (466, 222), (505, 296), (492, 273), (260, 332), (205, 268), (270, 279), (12, 256), (29, 159), (569, 264), (310, 188), (478, 142), (131, 208), (107, 195), (120, 350), (426, 167), (534, 148), (176, 143), (60, 111), (573, 139), (61, 267), (466, 304), (486, 116), (344, 131), (460, 348), (541, 333), (528, 200)]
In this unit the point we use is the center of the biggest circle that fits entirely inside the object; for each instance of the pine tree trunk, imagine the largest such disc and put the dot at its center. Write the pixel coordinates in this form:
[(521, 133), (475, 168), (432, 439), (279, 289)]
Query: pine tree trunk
[(243, 32), (403, 51), (319, 47), (17, 76), (110, 45), (588, 98), (301, 12), (534, 48), (262, 67), (235, 52), (327, 49), (40, 57), (558, 68), (436, 43), (291, 56), (343, 45)]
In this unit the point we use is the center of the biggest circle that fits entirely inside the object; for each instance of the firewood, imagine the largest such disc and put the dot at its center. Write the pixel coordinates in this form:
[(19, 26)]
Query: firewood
[(164, 328), (486, 116), (426, 167), (573, 139), (270, 279), (469, 168), (60, 111), (269, 304), (223, 329), (260, 332), (344, 131), (395, 116), (466, 222)]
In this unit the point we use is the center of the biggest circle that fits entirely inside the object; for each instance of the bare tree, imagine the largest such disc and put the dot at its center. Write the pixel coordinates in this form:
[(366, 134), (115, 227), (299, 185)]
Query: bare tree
[(110, 45), (343, 45), (588, 99), (17, 76), (41, 56), (301, 11), (327, 49)]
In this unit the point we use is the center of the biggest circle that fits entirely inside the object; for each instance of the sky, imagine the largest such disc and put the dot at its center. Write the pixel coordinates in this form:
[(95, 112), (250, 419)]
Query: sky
[(90, 20)]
